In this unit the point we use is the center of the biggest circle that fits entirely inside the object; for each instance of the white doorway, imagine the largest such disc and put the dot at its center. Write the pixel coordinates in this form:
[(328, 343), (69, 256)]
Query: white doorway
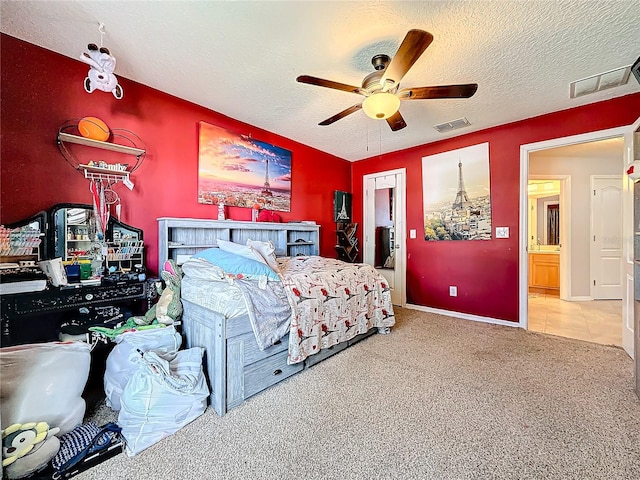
[(384, 228), (576, 229)]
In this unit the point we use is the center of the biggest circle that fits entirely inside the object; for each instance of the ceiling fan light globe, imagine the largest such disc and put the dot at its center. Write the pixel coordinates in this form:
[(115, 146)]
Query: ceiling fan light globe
[(381, 105)]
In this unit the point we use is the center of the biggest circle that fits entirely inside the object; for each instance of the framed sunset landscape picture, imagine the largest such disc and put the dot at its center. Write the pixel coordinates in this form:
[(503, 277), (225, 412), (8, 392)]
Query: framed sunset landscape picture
[(241, 171)]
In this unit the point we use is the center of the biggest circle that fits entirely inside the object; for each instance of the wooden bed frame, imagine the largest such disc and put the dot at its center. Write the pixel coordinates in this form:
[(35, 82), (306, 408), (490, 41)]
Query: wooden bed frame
[(234, 365)]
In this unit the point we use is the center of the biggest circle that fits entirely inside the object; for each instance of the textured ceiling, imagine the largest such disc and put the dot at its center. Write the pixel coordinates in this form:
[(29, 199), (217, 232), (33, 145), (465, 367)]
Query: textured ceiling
[(242, 58)]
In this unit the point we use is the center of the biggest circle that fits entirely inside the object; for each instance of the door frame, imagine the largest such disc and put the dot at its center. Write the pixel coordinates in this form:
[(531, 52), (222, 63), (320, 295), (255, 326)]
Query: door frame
[(630, 329), (400, 222), (523, 260), (565, 231)]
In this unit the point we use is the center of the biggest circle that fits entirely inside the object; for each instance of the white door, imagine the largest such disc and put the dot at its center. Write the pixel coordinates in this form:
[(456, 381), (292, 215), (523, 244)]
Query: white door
[(607, 240), (631, 153), (384, 228)]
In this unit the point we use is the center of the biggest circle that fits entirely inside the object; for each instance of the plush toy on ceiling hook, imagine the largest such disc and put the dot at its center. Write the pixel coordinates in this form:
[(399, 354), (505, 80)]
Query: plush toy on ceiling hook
[(101, 75)]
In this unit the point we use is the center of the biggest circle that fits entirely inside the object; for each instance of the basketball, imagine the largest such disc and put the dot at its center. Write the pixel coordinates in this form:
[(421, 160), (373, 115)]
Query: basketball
[(93, 128)]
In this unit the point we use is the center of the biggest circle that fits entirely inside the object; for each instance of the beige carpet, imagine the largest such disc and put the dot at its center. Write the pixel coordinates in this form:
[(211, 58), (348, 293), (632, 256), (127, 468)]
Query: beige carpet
[(438, 398)]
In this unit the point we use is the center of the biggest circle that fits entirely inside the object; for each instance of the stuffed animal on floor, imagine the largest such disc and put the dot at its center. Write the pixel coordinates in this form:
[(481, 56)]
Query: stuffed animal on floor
[(28, 447), (101, 75), (168, 309)]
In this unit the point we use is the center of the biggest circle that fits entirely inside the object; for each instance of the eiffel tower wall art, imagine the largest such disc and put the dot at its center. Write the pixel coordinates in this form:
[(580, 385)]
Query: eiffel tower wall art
[(456, 194), (240, 171), (341, 206)]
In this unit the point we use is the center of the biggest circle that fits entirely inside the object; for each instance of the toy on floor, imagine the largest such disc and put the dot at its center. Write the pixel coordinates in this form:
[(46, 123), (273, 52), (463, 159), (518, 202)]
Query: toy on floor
[(168, 309), (28, 447), (100, 74)]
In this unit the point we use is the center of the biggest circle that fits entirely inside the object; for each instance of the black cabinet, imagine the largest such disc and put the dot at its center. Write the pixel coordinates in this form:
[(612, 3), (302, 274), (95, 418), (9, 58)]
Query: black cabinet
[(35, 317)]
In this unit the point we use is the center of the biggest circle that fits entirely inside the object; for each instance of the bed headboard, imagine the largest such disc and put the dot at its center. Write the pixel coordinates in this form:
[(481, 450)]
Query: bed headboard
[(179, 238)]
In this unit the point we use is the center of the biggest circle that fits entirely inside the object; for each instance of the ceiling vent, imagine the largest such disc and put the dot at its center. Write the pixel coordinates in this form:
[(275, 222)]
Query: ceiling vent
[(602, 81), (452, 125)]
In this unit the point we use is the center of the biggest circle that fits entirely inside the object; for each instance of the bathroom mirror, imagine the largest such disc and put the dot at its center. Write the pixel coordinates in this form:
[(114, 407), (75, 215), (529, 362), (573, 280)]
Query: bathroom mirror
[(544, 213)]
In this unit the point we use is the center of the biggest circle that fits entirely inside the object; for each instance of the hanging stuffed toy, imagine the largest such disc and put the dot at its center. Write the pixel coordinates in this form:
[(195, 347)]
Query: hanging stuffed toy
[(101, 75)]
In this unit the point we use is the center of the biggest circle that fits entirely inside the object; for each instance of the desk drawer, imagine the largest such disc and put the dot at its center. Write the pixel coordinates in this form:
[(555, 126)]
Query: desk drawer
[(267, 372)]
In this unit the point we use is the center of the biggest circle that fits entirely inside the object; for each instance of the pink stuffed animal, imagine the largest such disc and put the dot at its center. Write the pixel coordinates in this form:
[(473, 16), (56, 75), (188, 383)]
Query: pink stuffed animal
[(101, 75)]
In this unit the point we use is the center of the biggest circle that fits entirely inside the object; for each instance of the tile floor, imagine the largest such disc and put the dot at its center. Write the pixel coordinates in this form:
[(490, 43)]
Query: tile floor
[(598, 321)]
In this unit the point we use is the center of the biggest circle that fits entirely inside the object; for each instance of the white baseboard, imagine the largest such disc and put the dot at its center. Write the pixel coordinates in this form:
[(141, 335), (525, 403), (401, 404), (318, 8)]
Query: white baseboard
[(464, 316), (580, 299)]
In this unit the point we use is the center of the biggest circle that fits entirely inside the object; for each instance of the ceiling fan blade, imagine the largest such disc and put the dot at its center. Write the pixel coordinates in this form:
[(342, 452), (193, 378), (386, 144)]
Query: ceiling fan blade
[(342, 114), (444, 91), (327, 83), (396, 122), (414, 43)]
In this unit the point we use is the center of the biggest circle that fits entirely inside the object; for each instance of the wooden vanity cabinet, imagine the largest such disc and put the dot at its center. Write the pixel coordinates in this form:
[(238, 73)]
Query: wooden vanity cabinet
[(544, 273)]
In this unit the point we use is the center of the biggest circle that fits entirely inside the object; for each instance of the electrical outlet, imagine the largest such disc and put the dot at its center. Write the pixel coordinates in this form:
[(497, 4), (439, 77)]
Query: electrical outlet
[(453, 291)]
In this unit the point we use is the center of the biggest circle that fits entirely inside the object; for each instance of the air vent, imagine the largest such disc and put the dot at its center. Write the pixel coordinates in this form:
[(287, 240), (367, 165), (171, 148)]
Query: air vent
[(452, 125), (602, 81)]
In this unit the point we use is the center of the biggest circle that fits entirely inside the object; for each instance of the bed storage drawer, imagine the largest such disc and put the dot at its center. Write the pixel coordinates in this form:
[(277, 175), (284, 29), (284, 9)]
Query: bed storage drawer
[(247, 347), (268, 372), (324, 353), (258, 376)]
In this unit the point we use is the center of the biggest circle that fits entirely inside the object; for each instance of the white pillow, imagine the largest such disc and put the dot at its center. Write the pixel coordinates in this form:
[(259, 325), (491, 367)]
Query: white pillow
[(242, 250), (200, 269), (267, 251)]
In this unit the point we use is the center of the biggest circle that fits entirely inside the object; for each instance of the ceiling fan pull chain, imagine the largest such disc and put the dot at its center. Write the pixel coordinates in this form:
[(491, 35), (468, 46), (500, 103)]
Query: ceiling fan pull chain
[(101, 31)]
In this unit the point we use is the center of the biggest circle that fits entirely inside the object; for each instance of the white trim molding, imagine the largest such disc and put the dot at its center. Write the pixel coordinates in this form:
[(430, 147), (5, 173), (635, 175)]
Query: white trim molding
[(463, 316)]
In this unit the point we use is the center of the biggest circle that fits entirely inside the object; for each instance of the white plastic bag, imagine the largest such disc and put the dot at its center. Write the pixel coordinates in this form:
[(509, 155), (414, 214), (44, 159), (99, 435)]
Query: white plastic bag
[(121, 362), (43, 382), (161, 397)]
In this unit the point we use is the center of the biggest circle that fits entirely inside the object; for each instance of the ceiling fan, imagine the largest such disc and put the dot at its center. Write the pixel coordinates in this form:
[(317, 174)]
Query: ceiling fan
[(382, 87)]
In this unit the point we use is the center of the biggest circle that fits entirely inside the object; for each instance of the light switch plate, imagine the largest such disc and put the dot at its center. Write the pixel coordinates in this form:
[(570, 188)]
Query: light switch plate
[(502, 232), (412, 233)]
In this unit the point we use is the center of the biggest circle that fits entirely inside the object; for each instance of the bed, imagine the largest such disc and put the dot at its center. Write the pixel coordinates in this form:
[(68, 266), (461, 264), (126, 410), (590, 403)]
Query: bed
[(258, 330)]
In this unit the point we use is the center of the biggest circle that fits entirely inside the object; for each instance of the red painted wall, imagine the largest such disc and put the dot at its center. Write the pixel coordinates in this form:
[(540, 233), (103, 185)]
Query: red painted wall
[(41, 90), (486, 272)]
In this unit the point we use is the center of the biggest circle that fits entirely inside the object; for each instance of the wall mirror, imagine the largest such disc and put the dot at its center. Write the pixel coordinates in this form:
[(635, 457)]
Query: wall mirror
[(73, 236), (544, 213)]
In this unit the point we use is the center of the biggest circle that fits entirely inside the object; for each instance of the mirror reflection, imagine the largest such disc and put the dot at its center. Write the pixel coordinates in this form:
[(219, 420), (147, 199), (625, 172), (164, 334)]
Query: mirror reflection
[(384, 239), (544, 214), (75, 238)]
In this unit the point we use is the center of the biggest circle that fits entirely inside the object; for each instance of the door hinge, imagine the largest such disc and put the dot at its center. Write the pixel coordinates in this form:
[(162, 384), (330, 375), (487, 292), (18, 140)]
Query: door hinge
[(594, 283)]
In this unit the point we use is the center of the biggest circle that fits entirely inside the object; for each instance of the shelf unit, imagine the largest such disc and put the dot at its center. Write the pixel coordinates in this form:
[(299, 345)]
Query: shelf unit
[(91, 172), (347, 246), (20, 243), (114, 147), (105, 174), (75, 228), (179, 238)]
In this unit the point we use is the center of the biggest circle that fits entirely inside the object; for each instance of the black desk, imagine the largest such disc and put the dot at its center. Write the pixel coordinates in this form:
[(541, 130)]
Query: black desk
[(36, 316)]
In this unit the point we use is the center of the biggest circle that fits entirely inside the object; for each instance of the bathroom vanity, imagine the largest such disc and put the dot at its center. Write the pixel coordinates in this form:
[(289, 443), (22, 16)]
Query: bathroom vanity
[(544, 272)]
